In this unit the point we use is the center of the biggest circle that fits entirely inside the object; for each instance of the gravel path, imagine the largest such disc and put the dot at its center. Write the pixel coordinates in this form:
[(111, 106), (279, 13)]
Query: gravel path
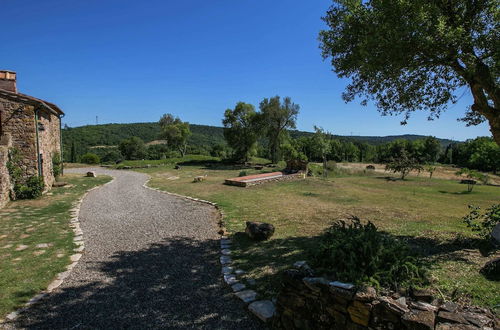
[(150, 261)]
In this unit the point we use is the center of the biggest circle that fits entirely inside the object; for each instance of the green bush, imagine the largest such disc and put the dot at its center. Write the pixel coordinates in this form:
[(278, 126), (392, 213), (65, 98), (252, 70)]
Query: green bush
[(359, 253), (56, 164), (243, 173), (90, 158), (33, 188), (483, 223)]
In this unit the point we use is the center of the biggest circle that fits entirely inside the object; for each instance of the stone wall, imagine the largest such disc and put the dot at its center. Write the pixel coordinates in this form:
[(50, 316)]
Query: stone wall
[(49, 144), (18, 120), (5, 143), (307, 302)]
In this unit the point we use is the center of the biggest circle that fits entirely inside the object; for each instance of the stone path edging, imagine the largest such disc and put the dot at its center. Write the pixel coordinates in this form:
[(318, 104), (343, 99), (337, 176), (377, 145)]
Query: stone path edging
[(264, 310), (74, 258)]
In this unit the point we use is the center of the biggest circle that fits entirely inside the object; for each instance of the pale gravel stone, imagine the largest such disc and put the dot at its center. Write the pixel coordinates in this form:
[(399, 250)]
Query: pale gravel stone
[(342, 285), (227, 270), (22, 247), (246, 296), (75, 257), (151, 261), (263, 309), (225, 260), (226, 252), (54, 284), (238, 287), (230, 279)]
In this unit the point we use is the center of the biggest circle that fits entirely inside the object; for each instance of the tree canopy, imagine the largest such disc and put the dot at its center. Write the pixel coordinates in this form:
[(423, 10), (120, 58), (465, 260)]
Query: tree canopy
[(175, 131), (277, 118), (411, 55), (241, 129)]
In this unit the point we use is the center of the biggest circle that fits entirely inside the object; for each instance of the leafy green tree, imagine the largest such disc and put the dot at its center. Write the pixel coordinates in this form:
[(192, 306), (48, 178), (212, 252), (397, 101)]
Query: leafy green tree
[(278, 117), (322, 145), (350, 152), (241, 129), (133, 148), (336, 150), (90, 158), (432, 149), (403, 164), (485, 155), (175, 131), (431, 169), (72, 157), (411, 55)]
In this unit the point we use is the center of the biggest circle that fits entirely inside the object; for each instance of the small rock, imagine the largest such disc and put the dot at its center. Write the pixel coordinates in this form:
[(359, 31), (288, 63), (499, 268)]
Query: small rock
[(422, 295), (75, 257), (263, 309), (226, 252), (300, 264), (91, 174), (448, 317), (22, 247), (449, 306), (259, 231), (54, 285), (227, 270), (225, 260), (419, 320), (43, 245), (366, 294), (246, 296), (230, 279), (225, 241), (238, 287), (345, 286), (423, 306), (177, 167), (240, 272), (199, 178)]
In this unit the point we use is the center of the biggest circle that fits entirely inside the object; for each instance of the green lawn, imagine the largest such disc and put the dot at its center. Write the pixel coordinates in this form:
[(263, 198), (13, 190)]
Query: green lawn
[(36, 241), (426, 212)]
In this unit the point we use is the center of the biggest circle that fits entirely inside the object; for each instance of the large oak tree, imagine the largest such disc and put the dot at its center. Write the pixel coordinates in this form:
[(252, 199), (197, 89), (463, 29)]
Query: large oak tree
[(410, 55)]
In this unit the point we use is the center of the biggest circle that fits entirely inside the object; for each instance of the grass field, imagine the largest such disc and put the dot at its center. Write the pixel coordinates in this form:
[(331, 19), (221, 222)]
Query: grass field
[(36, 241), (427, 213)]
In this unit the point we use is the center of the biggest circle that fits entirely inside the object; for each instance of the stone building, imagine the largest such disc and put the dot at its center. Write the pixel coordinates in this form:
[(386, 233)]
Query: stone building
[(33, 127)]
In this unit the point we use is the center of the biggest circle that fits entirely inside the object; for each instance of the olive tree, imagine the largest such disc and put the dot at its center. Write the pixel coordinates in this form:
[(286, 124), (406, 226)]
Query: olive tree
[(241, 128), (175, 131), (411, 55)]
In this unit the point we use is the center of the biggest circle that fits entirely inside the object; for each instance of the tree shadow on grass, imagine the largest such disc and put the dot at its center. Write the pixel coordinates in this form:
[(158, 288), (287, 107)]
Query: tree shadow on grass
[(275, 255), (175, 284), (465, 192)]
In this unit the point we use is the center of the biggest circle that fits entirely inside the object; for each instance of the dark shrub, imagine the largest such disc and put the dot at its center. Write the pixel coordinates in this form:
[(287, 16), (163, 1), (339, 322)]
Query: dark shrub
[(33, 188), (90, 158), (243, 173), (359, 253)]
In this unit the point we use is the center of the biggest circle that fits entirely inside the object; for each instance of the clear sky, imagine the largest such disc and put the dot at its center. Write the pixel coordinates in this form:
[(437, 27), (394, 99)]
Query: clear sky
[(131, 61)]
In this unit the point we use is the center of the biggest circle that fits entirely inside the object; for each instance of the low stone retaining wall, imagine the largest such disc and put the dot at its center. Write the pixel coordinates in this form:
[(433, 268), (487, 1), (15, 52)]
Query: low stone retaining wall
[(307, 302)]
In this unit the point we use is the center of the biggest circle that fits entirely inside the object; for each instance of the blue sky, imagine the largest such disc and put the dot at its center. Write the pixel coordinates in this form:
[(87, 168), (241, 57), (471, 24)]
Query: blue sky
[(131, 61)]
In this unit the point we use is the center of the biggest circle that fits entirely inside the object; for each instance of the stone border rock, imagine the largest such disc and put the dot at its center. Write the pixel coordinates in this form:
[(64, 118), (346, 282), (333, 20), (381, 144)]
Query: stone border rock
[(262, 309), (74, 258)]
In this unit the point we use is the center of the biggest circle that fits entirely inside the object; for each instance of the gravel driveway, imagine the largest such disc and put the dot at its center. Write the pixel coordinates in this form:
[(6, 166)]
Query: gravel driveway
[(150, 261)]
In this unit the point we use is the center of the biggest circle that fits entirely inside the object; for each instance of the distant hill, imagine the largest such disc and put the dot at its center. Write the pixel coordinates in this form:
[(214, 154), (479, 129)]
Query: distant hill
[(203, 135)]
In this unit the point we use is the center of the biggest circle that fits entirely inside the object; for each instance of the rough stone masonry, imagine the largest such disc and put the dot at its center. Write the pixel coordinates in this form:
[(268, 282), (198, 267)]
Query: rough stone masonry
[(30, 125)]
